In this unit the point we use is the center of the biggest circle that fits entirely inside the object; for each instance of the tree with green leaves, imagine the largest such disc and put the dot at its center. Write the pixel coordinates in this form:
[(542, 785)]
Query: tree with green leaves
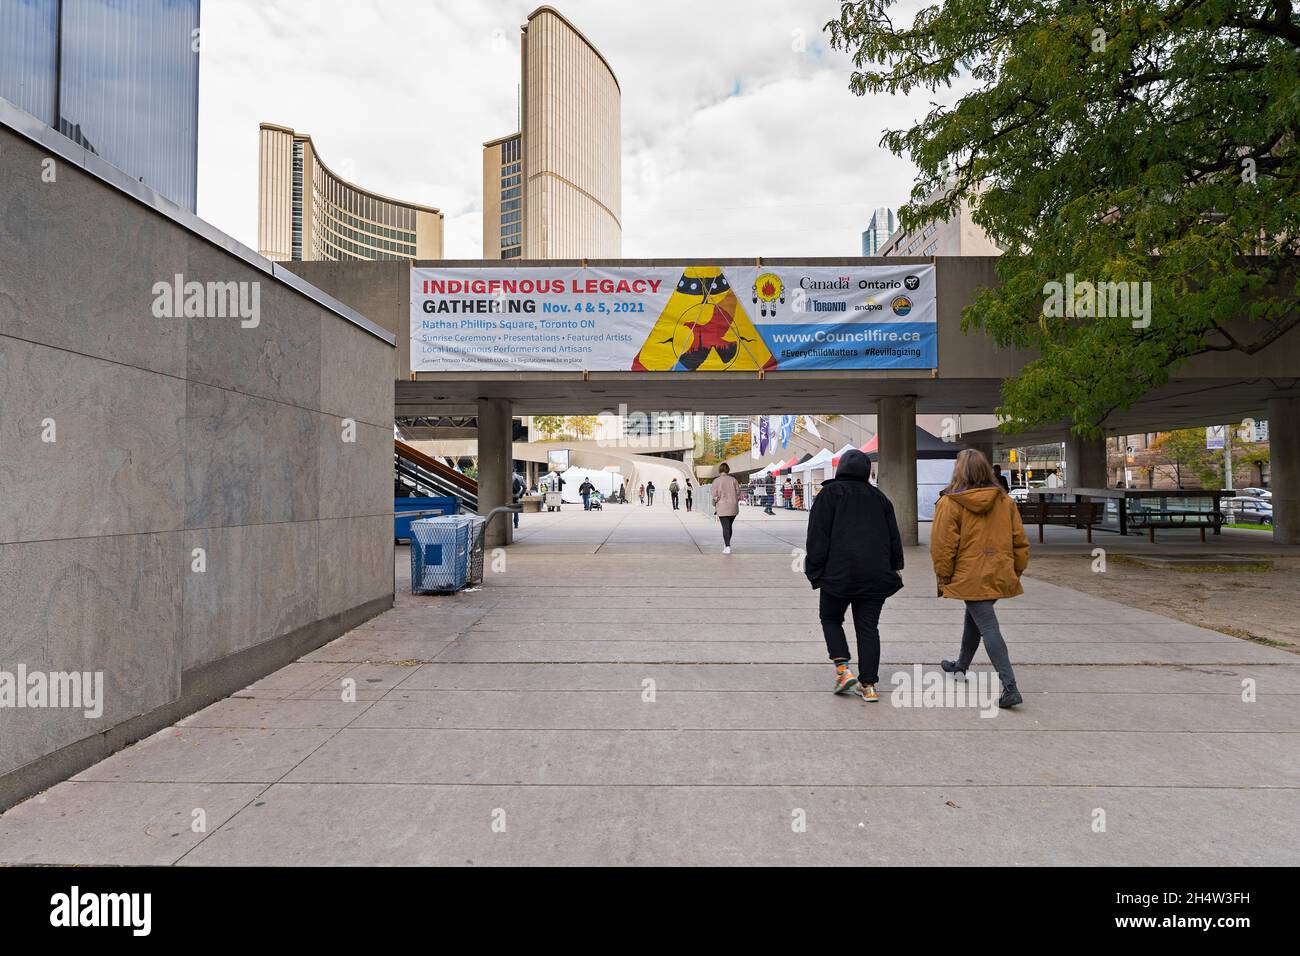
[(1131, 142), (548, 425), (1184, 450)]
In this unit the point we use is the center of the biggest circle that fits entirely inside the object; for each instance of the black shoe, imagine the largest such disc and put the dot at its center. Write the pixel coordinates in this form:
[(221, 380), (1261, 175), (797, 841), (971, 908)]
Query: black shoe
[(1010, 697), (952, 667)]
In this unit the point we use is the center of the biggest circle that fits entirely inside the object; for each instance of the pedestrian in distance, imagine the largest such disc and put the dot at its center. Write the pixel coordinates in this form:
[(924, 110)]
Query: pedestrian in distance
[(798, 494), (853, 555), (769, 494), (640, 493), (979, 550), (517, 489), (689, 491), (787, 495), (586, 489), (649, 493), (674, 492), (1001, 478), (726, 503)]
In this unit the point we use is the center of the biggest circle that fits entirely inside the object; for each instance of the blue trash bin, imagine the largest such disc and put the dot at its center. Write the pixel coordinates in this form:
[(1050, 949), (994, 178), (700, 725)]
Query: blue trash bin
[(440, 553)]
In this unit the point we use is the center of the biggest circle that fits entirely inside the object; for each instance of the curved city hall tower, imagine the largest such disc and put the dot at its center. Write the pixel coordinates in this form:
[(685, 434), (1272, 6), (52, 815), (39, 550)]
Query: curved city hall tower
[(305, 212), (554, 189)]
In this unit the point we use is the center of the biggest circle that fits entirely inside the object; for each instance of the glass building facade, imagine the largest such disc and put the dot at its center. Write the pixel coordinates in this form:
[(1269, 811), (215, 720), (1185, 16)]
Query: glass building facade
[(118, 77)]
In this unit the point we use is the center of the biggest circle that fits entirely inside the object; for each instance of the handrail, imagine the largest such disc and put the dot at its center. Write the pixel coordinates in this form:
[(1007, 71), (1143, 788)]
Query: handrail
[(429, 463)]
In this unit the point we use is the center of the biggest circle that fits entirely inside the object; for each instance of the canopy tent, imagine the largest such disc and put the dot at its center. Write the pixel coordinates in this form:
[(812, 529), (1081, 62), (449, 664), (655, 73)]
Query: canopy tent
[(605, 482), (786, 466), (819, 460), (934, 458)]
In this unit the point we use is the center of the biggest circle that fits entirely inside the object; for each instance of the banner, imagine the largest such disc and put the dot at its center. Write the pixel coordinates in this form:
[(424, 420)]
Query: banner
[(680, 319), (764, 434), (754, 451), (787, 429)]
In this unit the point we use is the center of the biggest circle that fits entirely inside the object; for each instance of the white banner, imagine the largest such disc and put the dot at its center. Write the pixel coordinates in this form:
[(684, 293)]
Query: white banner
[(673, 319)]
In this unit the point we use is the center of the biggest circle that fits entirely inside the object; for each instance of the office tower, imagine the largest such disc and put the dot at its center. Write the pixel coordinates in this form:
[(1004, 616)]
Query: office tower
[(553, 190), (306, 213), (878, 231)]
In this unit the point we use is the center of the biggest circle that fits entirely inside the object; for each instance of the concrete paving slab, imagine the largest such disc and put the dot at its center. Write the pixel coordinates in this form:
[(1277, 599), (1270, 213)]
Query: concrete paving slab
[(513, 709), (403, 825), (814, 758), (184, 754), (1269, 679), (118, 824)]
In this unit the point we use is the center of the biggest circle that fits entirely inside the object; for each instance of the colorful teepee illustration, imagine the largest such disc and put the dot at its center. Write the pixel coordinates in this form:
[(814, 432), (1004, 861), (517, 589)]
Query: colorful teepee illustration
[(703, 329)]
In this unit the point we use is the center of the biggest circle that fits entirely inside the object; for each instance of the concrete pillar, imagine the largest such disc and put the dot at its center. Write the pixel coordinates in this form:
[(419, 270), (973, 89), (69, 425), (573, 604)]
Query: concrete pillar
[(896, 466), (1085, 462), (495, 454), (1284, 468)]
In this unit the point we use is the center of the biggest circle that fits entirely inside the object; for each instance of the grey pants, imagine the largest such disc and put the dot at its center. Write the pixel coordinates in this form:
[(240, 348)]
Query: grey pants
[(982, 622)]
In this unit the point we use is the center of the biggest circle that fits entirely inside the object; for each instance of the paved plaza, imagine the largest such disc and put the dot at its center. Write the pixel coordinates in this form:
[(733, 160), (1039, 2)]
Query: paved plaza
[(622, 693)]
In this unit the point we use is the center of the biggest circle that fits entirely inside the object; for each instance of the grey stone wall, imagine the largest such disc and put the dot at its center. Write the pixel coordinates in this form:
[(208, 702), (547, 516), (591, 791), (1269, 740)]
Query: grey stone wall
[(127, 441)]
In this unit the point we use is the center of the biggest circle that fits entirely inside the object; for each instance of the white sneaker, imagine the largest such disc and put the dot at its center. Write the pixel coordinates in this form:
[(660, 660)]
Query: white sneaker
[(726, 550)]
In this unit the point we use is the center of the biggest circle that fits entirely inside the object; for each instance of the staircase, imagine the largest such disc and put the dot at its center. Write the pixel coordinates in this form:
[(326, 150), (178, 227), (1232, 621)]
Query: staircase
[(432, 477)]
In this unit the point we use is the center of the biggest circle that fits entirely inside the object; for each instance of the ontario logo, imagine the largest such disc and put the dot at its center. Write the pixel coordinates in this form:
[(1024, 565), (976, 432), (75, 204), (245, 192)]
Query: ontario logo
[(769, 290), (901, 305)]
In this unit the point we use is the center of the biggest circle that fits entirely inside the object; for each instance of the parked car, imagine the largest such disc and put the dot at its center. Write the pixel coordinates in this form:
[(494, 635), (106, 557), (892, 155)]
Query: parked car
[(1019, 494), (1247, 510), (1257, 492)]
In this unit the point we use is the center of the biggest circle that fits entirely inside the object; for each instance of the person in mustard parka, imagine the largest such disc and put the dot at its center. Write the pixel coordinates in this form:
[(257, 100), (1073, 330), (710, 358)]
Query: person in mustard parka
[(979, 550)]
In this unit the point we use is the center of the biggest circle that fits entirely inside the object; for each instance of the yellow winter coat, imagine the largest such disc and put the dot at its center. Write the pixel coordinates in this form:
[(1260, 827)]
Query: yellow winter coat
[(978, 545)]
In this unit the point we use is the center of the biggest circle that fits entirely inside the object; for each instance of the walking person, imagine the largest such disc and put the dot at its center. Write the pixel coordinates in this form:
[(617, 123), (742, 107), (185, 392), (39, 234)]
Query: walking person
[(674, 492), (517, 489), (787, 495), (689, 490), (649, 493), (726, 503), (640, 493), (798, 494), (979, 550), (854, 554), (585, 489), (1001, 478), (769, 494)]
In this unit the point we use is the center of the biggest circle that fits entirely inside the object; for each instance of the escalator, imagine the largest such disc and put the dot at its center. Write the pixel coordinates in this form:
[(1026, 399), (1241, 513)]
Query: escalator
[(431, 478)]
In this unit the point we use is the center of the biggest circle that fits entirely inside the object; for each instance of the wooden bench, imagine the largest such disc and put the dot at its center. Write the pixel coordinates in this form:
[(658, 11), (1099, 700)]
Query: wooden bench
[(1075, 514), (1170, 518)]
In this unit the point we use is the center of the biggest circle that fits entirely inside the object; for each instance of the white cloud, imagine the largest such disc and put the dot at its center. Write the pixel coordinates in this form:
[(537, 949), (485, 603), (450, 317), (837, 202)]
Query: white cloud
[(740, 136)]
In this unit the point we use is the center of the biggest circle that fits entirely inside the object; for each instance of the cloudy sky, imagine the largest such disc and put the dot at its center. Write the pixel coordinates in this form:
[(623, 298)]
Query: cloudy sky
[(740, 136)]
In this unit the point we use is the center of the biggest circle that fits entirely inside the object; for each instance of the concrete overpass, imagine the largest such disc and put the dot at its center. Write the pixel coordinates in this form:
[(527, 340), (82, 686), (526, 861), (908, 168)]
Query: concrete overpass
[(1209, 389)]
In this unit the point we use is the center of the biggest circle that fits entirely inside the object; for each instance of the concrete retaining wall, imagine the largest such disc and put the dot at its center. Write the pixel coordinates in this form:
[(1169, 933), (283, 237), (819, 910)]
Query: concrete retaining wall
[(129, 441)]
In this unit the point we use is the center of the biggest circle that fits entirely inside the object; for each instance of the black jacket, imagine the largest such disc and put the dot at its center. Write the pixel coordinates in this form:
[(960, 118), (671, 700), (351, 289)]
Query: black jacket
[(854, 549)]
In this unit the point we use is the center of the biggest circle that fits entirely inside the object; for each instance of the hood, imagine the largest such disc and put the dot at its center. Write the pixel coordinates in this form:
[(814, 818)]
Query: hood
[(854, 464), (977, 500)]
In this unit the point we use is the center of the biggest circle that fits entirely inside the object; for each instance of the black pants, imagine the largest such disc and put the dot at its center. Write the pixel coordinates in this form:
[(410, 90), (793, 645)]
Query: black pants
[(674, 497), (866, 622), (726, 521)]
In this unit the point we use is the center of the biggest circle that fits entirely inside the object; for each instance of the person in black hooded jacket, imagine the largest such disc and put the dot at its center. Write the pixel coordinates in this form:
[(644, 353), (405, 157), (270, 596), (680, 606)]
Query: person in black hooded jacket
[(854, 554)]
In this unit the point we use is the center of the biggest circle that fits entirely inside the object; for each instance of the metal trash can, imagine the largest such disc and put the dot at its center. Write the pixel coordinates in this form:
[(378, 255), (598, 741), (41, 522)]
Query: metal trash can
[(443, 553)]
